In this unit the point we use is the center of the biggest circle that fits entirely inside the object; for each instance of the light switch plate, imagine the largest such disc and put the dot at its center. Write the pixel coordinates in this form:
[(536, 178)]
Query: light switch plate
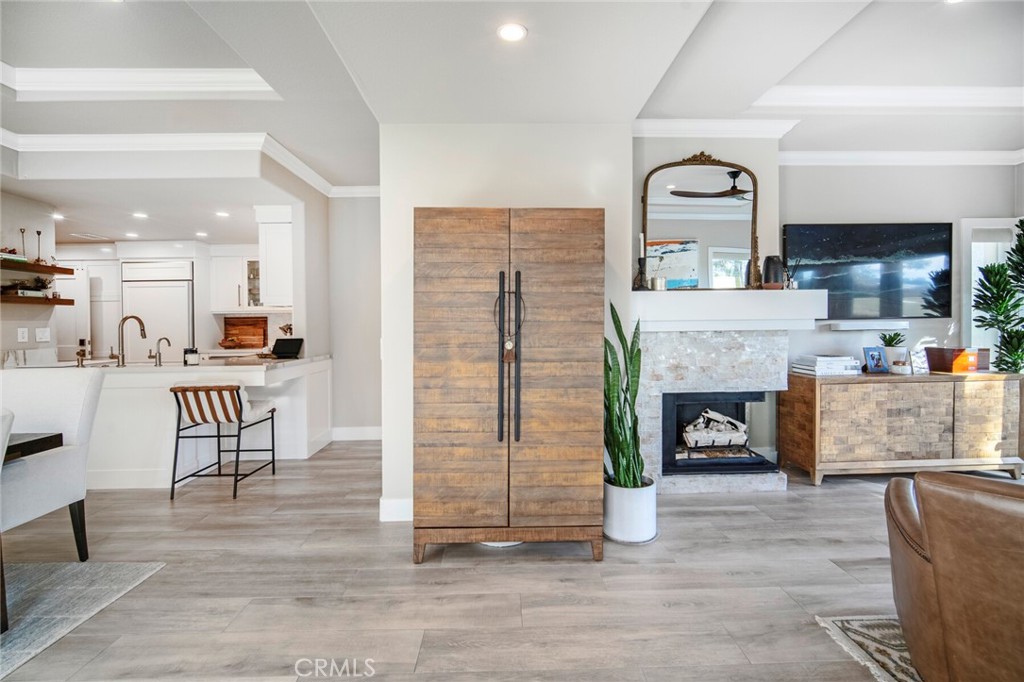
[(42, 333), (22, 334)]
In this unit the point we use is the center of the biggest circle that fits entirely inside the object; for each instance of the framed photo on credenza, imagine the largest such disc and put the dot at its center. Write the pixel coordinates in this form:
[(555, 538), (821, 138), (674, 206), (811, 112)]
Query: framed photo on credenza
[(874, 358)]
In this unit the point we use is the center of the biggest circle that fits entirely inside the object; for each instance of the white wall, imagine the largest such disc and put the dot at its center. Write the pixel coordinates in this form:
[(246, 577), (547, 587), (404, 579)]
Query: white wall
[(17, 212), (1019, 208), (482, 165), (355, 317), (311, 308)]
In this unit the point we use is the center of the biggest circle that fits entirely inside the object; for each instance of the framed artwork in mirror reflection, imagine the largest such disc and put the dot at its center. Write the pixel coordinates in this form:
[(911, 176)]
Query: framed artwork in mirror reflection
[(677, 260)]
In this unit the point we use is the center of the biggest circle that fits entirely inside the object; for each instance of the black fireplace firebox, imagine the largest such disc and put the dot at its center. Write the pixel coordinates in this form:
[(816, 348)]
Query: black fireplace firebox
[(680, 409)]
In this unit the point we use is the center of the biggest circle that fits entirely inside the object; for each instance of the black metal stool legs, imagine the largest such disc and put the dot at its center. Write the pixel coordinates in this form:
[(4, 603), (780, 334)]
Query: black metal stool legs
[(238, 455)]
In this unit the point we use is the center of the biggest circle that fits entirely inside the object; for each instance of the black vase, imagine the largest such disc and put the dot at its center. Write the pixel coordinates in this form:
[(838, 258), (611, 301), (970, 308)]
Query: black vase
[(773, 273)]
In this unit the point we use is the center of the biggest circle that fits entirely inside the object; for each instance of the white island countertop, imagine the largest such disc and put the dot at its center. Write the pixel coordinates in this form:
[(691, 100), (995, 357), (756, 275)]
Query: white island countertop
[(133, 437), (248, 370)]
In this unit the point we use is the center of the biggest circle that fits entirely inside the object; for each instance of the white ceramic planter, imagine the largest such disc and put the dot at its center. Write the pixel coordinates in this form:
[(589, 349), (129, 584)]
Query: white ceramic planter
[(895, 353), (631, 514)]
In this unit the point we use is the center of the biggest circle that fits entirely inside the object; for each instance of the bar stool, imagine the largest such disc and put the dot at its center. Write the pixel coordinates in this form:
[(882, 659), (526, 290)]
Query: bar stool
[(220, 404)]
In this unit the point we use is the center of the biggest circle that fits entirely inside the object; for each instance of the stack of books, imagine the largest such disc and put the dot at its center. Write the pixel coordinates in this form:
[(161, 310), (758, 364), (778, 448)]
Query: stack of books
[(826, 365)]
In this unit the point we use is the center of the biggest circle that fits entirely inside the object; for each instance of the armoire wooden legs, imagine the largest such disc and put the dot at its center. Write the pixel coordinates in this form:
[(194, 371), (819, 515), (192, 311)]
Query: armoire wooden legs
[(443, 536)]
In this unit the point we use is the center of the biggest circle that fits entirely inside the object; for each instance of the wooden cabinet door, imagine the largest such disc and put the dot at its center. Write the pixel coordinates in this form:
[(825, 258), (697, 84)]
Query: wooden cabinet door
[(460, 475), (868, 422), (986, 422), (556, 465)]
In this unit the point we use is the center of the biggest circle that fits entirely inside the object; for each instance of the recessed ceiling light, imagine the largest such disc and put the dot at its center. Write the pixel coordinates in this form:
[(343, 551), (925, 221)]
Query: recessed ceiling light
[(106, 249), (57, 216), (222, 214), (953, 2), (131, 234), (140, 215), (512, 32), (670, 186), (200, 234), (179, 246)]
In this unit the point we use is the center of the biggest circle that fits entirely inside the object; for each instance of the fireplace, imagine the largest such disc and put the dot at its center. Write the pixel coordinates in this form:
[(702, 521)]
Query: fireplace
[(706, 433)]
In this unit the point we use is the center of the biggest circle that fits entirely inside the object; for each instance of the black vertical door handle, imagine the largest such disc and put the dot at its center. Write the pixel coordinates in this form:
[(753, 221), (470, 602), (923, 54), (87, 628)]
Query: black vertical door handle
[(519, 348), (500, 307)]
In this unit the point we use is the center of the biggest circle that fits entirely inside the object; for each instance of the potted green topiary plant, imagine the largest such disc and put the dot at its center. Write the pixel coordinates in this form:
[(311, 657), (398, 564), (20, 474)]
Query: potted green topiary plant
[(630, 498), (893, 343), (999, 297)]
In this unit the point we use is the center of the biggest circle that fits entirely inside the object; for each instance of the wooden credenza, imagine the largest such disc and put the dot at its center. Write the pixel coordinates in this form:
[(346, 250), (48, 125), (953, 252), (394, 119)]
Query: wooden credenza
[(889, 423), (508, 448)]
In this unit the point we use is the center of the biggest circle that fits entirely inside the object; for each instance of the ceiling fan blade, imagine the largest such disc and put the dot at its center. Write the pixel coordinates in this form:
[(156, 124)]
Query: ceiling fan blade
[(731, 192)]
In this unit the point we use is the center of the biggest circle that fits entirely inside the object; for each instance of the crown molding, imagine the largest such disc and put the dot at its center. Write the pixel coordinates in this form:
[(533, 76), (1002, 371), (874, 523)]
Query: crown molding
[(278, 152), (83, 85), (869, 158), (170, 142), (772, 129), (886, 97), (354, 191), (144, 142)]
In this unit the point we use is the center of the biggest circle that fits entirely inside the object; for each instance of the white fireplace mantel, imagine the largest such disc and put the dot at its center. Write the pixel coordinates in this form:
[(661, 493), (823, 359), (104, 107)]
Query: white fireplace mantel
[(729, 309)]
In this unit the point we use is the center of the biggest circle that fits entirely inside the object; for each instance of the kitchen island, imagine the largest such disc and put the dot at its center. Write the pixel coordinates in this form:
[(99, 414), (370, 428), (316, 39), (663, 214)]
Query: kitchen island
[(132, 442)]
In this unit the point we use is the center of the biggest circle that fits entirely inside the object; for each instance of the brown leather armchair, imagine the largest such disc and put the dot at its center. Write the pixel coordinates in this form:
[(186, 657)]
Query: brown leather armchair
[(957, 547)]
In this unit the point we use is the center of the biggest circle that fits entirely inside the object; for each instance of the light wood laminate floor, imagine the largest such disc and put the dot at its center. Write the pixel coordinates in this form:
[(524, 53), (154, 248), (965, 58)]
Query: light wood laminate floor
[(298, 567)]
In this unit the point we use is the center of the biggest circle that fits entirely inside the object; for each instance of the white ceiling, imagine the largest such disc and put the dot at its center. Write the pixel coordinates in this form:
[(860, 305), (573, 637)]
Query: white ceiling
[(342, 68), (443, 63), (177, 209)]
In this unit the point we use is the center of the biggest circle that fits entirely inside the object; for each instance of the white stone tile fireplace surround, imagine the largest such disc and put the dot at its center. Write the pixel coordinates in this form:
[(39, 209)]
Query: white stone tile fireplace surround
[(714, 341)]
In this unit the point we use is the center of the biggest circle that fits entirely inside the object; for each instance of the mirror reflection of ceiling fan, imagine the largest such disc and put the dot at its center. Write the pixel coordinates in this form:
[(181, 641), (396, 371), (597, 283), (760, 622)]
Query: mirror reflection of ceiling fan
[(733, 192)]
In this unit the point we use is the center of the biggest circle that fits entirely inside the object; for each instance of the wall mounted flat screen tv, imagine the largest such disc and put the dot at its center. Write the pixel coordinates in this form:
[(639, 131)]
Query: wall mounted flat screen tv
[(874, 271)]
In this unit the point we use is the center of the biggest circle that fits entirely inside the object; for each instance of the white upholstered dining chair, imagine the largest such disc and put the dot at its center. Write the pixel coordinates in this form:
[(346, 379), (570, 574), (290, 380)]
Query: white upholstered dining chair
[(48, 401), (6, 422)]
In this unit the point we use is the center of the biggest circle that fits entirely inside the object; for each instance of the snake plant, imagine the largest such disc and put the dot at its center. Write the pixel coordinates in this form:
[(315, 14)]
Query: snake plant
[(621, 425)]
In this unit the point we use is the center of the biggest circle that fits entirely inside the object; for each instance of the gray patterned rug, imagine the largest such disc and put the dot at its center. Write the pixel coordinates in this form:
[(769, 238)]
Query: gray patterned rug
[(876, 642), (47, 601)]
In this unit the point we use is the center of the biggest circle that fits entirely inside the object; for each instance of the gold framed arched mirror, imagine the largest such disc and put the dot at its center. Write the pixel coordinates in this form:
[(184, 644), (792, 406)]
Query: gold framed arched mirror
[(699, 222)]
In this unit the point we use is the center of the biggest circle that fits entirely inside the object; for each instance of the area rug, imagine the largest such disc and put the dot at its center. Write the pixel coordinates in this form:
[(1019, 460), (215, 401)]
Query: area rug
[(876, 642), (47, 601)]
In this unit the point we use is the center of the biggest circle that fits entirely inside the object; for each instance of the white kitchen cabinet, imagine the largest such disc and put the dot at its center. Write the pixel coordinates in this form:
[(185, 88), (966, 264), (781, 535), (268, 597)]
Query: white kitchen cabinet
[(166, 309), (234, 283), (135, 271), (276, 264), (73, 323)]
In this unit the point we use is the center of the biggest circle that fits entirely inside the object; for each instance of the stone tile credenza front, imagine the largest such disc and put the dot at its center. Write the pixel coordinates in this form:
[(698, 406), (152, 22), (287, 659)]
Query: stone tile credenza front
[(888, 423)]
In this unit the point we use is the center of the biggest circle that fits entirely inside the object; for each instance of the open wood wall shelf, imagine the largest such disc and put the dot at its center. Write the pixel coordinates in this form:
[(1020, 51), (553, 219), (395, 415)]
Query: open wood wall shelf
[(38, 268), (32, 300)]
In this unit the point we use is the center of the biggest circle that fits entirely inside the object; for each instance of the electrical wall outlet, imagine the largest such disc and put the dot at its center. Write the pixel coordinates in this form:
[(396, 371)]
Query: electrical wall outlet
[(22, 334), (42, 333)]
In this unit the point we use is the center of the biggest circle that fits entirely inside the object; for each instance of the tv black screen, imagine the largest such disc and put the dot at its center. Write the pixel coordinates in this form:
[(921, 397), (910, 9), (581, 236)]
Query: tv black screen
[(874, 271)]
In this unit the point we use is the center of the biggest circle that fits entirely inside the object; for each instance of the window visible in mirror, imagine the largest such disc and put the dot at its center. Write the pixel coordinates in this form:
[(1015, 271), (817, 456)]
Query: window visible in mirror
[(727, 267)]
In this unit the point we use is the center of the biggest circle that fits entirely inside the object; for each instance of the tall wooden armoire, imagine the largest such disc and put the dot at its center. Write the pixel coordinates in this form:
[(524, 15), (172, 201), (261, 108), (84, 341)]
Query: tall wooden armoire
[(508, 371)]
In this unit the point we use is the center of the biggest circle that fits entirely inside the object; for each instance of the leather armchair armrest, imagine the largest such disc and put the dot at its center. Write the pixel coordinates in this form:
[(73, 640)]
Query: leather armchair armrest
[(901, 506)]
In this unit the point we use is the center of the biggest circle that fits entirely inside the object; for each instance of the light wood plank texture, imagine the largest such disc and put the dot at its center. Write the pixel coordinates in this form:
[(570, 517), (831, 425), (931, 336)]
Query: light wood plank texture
[(890, 423), (460, 474), (548, 474), (311, 573), (556, 469)]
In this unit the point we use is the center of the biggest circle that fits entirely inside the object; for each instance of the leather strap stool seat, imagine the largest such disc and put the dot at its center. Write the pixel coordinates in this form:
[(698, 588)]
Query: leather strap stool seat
[(220, 404)]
